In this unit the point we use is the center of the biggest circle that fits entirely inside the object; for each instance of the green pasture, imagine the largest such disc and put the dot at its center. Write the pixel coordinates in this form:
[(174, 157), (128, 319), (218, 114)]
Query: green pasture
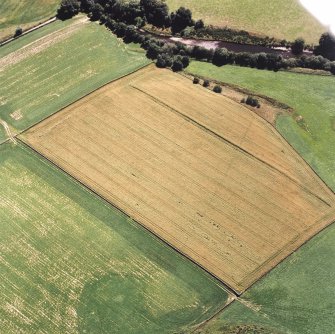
[(311, 96), (62, 72), (285, 19), (71, 263), (24, 13), (3, 135), (296, 297)]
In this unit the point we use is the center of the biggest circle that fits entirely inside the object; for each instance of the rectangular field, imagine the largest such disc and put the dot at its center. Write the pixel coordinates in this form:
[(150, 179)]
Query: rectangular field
[(71, 263), (201, 171), (52, 67)]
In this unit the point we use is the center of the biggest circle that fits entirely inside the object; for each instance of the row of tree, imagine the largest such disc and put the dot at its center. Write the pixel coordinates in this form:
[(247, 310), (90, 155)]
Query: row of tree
[(125, 17), (134, 12)]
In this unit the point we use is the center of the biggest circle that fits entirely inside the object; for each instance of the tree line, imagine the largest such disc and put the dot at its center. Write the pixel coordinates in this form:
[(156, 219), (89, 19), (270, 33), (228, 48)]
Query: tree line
[(125, 18)]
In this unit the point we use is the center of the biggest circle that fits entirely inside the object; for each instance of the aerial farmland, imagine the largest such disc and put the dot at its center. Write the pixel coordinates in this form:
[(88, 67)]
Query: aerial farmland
[(154, 181)]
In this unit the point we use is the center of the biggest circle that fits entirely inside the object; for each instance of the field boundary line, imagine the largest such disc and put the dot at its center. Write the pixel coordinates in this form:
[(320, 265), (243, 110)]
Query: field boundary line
[(230, 291), (40, 25), (82, 97), (313, 173), (227, 141), (273, 101)]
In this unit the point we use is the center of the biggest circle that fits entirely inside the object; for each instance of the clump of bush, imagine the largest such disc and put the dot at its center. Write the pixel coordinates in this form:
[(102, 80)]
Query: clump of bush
[(206, 83), (217, 89), (196, 80), (18, 32), (251, 101), (68, 9)]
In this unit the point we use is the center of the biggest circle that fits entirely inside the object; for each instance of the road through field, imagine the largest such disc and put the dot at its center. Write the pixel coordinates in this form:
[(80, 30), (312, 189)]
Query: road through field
[(201, 171)]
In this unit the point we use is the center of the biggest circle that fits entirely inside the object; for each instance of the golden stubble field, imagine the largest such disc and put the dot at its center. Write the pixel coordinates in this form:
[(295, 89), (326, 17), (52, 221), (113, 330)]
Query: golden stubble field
[(204, 173)]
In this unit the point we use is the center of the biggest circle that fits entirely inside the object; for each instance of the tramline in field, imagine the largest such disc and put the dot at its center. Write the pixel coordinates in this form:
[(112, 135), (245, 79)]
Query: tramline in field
[(71, 263), (201, 171)]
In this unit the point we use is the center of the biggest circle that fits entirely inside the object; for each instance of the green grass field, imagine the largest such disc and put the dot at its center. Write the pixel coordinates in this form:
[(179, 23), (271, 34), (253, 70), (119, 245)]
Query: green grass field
[(312, 96), (24, 13), (282, 19), (296, 297), (70, 263), (72, 59), (3, 135)]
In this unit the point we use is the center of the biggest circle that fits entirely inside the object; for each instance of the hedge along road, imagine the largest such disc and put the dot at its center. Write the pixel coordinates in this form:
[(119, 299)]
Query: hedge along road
[(57, 64)]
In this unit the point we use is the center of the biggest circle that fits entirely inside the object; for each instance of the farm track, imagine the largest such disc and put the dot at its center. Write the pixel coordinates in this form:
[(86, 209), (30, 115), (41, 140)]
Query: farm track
[(8, 132), (194, 191)]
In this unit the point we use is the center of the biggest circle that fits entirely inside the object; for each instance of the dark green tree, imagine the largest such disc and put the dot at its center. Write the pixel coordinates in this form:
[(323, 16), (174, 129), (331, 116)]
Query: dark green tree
[(68, 9), (199, 24), (181, 19), (96, 12), (186, 61), (221, 57), (18, 32), (297, 46), (206, 83), (177, 65), (332, 67), (156, 12), (164, 60), (217, 89), (326, 47)]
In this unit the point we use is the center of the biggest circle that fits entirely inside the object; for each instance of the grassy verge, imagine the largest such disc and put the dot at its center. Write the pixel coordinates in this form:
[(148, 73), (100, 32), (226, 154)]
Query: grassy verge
[(24, 13), (70, 263), (74, 62), (284, 19), (296, 297), (312, 97)]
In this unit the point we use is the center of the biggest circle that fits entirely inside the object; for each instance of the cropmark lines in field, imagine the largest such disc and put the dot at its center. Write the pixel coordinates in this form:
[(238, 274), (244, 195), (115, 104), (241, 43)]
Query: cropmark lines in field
[(54, 66), (201, 171), (70, 263)]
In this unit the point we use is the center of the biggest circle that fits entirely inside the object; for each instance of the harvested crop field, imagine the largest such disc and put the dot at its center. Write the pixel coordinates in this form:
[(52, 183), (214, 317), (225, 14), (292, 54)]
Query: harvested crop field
[(204, 173), (71, 263)]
